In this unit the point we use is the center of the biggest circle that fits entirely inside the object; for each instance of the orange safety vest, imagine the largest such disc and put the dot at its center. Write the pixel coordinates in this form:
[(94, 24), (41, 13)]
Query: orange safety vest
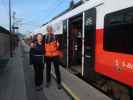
[(51, 49)]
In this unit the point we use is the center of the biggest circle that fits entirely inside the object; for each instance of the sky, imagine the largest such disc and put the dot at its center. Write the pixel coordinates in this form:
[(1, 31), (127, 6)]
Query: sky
[(31, 14)]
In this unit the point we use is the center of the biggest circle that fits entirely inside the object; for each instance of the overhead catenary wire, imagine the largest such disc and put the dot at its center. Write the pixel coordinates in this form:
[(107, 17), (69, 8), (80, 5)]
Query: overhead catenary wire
[(51, 9), (54, 8), (58, 5)]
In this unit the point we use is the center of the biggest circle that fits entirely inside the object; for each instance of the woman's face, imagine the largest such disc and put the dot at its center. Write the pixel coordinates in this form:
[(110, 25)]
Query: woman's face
[(39, 38)]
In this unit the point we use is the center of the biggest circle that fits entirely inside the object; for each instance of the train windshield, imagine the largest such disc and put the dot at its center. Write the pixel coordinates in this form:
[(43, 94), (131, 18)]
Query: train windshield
[(118, 32)]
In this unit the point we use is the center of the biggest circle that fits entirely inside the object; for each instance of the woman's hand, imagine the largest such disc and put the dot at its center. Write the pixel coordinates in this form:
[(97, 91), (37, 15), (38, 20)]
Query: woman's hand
[(32, 45)]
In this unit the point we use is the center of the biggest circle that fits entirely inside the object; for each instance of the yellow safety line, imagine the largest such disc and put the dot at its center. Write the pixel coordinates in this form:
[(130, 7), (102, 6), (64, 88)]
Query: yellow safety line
[(68, 90)]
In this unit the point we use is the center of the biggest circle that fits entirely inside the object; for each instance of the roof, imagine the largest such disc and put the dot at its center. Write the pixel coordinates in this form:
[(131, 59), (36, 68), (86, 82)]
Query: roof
[(3, 30)]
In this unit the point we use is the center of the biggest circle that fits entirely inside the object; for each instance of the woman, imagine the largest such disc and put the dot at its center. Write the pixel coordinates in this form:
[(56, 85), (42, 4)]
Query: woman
[(38, 60)]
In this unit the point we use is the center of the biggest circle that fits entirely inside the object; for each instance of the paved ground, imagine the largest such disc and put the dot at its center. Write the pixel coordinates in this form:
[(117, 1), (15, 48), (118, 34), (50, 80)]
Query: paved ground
[(12, 83), (17, 82), (79, 89)]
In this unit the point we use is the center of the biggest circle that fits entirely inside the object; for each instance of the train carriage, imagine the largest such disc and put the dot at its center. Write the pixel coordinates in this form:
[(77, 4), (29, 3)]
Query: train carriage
[(4, 46), (8, 42)]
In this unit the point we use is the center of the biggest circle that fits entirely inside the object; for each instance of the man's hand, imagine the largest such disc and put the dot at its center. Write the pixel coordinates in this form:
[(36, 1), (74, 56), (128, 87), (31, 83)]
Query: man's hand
[(57, 43)]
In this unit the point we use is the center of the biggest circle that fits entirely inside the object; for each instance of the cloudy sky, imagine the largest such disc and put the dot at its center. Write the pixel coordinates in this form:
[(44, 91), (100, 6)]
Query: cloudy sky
[(32, 13)]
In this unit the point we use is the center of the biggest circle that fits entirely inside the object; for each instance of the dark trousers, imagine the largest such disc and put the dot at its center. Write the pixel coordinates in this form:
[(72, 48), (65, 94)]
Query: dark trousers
[(38, 74), (55, 61)]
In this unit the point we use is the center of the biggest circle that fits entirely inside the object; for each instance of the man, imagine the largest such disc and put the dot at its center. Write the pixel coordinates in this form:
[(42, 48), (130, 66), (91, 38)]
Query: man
[(51, 47)]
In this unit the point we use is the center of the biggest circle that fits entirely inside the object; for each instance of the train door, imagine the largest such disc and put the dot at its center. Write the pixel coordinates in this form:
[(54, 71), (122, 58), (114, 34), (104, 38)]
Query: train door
[(75, 44), (89, 42), (62, 38)]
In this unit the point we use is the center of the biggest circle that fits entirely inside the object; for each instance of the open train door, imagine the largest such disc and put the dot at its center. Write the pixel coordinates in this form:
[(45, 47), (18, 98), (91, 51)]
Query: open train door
[(89, 42), (75, 44)]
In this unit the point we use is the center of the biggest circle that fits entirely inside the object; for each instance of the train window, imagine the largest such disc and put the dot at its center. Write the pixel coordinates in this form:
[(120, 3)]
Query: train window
[(118, 31)]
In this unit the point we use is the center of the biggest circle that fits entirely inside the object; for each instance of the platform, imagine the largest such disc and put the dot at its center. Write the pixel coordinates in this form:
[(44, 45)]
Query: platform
[(12, 82), (79, 89)]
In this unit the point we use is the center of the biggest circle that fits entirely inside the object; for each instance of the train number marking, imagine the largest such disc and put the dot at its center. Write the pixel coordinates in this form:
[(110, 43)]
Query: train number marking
[(123, 65)]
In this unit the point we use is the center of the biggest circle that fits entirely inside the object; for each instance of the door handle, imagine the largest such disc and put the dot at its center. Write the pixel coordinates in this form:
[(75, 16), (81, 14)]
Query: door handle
[(88, 48), (87, 56)]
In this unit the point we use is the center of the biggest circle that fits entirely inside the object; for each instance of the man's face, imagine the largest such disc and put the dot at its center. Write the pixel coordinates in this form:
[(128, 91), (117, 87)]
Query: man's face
[(50, 30)]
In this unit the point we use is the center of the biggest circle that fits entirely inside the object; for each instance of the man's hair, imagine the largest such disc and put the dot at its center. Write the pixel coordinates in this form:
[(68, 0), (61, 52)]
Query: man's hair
[(49, 26)]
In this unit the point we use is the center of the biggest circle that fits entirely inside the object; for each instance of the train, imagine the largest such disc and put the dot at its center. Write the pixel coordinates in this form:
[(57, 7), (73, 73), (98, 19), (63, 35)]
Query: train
[(97, 44), (8, 43)]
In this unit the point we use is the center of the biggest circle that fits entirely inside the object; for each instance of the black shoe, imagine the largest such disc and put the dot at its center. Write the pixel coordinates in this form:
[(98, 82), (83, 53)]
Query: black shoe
[(59, 86), (47, 85)]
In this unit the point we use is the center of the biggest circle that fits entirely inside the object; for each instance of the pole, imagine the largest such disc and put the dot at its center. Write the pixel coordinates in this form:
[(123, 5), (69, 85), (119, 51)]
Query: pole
[(10, 28), (13, 21), (10, 17)]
